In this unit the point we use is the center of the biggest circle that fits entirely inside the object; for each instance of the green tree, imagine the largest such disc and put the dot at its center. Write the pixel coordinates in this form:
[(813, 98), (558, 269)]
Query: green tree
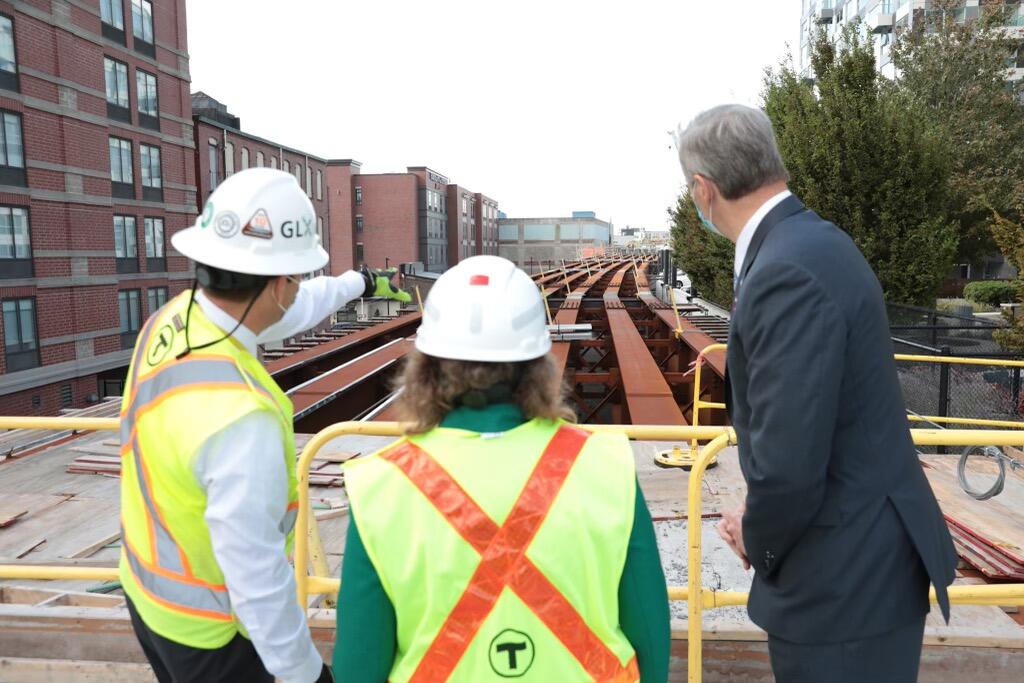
[(860, 157), (706, 258), (953, 69)]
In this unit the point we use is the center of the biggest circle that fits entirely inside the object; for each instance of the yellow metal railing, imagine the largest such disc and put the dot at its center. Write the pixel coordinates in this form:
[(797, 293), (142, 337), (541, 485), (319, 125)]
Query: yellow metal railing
[(697, 597), (699, 404)]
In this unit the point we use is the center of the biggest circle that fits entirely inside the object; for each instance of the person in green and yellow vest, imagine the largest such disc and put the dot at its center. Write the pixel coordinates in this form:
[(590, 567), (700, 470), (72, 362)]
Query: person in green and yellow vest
[(208, 486), (496, 540)]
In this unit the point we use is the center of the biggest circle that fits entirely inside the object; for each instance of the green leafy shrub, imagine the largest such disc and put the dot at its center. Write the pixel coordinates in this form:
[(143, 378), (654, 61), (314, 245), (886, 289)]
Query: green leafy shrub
[(991, 292)]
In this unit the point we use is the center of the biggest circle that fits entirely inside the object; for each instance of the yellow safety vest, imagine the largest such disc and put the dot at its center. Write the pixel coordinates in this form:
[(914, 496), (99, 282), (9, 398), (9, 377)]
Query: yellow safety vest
[(502, 556), (170, 408)]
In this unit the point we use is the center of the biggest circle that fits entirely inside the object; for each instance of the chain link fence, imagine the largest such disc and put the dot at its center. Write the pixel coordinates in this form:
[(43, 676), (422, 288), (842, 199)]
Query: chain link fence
[(970, 391)]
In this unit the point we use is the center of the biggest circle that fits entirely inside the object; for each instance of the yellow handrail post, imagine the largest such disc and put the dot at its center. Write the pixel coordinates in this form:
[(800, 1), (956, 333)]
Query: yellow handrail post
[(419, 299), (695, 592), (697, 402)]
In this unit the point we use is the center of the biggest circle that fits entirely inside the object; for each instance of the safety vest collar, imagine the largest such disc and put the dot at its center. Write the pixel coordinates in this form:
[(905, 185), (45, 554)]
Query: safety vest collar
[(503, 561)]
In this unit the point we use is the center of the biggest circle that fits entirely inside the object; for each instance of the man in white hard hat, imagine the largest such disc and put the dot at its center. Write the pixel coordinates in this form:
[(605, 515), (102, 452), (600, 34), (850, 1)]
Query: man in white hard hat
[(208, 492)]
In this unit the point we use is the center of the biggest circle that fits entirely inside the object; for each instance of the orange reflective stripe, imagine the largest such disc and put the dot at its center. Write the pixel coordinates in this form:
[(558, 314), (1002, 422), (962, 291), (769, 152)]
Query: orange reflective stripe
[(504, 563)]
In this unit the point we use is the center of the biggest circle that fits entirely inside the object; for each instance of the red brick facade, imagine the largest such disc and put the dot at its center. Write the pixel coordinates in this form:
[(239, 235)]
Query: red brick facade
[(74, 278), (462, 225), (486, 225), (73, 274)]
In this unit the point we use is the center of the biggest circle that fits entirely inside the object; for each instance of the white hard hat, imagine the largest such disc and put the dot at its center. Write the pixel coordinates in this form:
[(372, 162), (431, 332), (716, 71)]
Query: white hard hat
[(258, 221), (484, 309)]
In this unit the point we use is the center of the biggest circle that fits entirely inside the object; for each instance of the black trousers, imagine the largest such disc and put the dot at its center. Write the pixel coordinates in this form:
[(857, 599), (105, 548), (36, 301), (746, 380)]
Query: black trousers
[(236, 662), (892, 657)]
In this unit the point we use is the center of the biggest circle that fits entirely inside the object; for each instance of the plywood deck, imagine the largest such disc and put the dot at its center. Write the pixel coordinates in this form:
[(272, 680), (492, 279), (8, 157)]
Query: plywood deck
[(74, 512)]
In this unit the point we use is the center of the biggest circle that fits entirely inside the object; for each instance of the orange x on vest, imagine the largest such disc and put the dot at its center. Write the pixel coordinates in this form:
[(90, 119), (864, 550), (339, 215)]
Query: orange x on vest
[(503, 561)]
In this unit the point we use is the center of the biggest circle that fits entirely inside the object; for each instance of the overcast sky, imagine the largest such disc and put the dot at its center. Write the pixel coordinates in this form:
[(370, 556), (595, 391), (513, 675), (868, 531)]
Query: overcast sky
[(546, 106)]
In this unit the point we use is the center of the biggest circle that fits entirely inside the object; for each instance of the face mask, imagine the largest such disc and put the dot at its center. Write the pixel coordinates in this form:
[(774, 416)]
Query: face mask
[(284, 310), (708, 225)]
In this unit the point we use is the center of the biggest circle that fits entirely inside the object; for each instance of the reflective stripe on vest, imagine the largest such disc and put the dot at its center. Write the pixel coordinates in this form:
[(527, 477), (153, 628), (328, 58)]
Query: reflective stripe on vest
[(170, 579), (205, 600), (503, 561)]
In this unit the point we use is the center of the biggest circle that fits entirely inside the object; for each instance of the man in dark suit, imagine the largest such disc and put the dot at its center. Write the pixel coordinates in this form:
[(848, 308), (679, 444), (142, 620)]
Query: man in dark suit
[(840, 524)]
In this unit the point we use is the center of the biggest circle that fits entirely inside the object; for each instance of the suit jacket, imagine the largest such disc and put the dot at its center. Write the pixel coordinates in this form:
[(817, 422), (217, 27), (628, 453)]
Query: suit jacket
[(841, 526)]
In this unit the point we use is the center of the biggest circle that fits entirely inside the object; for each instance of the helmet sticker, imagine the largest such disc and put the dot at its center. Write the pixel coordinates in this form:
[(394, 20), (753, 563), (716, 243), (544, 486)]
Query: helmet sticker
[(207, 217), (259, 226), (226, 224)]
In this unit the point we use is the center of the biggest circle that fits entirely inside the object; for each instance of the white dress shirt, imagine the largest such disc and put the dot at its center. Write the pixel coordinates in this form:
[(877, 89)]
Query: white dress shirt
[(747, 234), (243, 472)]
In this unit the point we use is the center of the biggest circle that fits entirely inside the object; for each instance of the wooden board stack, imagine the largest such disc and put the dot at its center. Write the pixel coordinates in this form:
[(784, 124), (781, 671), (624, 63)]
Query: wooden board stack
[(989, 534)]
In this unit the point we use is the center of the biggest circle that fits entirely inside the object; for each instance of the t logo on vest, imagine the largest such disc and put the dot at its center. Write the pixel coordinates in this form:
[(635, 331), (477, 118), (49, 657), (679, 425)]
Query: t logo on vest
[(511, 653)]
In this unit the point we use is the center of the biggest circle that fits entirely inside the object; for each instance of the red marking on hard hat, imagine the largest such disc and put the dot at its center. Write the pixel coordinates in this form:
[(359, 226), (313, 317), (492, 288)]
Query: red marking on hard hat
[(482, 280)]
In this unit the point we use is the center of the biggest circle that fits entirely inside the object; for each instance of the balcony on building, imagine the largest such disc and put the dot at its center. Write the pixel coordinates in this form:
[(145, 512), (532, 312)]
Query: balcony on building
[(825, 13), (882, 22)]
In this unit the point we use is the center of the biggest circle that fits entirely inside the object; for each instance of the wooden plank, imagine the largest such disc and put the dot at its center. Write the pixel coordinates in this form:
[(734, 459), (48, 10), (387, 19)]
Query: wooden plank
[(29, 547), (8, 517), (22, 670), (95, 546), (999, 525)]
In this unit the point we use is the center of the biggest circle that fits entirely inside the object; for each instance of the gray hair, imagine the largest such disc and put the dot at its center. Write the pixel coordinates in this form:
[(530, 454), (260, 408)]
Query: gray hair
[(734, 147)]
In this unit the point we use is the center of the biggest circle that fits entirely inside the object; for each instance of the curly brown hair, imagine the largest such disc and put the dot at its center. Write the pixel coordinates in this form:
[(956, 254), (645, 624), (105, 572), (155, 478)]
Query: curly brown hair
[(431, 388)]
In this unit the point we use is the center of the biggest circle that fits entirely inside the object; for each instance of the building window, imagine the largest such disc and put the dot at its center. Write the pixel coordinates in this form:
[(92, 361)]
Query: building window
[(149, 106), (142, 27), (298, 173), (153, 232), (359, 223), (15, 245), (8, 55), (152, 178), (245, 158), (259, 160), (157, 297), (229, 159), (319, 184), (121, 177), (320, 229), (309, 181), (125, 245), (116, 75), (285, 166), (12, 150), (112, 13), (214, 160), (21, 339), (130, 314), (359, 195), (273, 162), (359, 253), (112, 17)]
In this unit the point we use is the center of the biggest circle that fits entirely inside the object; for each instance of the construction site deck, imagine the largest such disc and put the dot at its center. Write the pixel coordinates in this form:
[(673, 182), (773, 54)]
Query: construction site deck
[(626, 354)]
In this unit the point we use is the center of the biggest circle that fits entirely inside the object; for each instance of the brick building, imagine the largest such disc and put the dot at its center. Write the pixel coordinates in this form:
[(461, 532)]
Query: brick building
[(222, 149), (486, 225), (97, 172), (463, 232), (387, 219)]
